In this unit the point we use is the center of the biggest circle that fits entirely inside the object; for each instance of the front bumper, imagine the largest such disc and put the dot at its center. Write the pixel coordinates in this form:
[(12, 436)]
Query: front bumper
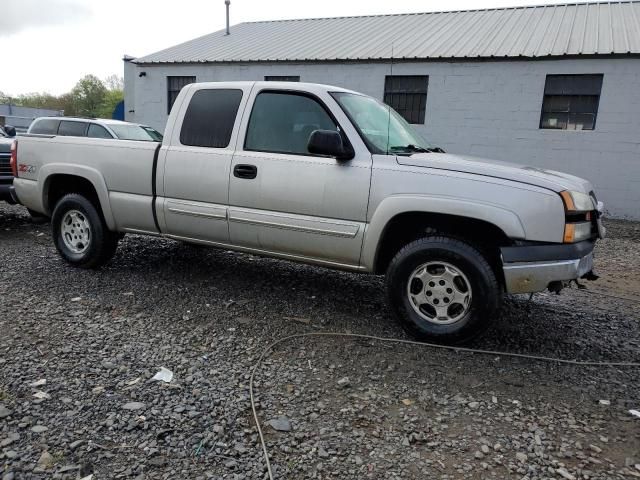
[(531, 268), (8, 193)]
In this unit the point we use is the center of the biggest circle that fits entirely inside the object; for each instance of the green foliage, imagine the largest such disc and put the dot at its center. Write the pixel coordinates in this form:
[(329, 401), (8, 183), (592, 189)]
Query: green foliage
[(88, 96), (38, 100), (111, 99), (91, 97), (67, 103)]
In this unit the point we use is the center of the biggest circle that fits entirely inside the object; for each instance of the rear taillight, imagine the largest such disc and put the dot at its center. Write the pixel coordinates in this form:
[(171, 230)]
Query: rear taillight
[(14, 158)]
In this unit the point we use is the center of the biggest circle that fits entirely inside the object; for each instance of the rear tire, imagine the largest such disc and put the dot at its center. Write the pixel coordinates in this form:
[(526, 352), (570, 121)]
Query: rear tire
[(443, 290), (80, 233)]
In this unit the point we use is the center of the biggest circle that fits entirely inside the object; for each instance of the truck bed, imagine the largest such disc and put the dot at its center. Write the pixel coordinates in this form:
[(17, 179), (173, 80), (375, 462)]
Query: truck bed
[(123, 167)]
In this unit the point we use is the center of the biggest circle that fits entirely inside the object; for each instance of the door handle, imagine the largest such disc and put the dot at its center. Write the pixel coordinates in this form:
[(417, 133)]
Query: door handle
[(245, 171)]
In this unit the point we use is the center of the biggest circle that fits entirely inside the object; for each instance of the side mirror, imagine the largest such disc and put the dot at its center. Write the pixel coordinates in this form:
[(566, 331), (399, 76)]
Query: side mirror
[(11, 131), (329, 143)]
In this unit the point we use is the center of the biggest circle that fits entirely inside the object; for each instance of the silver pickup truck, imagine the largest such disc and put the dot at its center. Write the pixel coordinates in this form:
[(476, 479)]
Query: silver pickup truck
[(326, 176)]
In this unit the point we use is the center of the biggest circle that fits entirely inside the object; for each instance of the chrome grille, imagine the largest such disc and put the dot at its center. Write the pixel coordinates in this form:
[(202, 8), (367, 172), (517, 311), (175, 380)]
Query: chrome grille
[(5, 167)]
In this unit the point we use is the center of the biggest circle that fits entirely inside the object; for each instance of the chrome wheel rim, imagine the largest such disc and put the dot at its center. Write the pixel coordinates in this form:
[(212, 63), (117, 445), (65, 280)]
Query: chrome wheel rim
[(76, 231), (439, 292)]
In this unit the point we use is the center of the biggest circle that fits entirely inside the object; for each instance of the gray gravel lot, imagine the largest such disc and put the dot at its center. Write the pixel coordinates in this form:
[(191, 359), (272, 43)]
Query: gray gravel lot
[(345, 408)]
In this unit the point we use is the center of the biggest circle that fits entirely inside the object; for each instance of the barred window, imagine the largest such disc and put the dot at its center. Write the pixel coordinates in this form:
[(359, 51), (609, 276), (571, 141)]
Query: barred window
[(571, 102), (174, 85), (407, 95)]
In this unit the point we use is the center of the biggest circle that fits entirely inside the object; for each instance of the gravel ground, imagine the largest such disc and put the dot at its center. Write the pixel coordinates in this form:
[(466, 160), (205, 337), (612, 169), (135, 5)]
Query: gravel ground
[(78, 350)]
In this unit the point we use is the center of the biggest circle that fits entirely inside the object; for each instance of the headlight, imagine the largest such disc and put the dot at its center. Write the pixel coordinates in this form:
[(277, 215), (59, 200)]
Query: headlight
[(577, 232), (578, 207), (577, 201)]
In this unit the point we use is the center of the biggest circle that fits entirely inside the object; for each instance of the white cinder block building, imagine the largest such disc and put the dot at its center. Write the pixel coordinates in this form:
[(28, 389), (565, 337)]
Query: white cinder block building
[(550, 86)]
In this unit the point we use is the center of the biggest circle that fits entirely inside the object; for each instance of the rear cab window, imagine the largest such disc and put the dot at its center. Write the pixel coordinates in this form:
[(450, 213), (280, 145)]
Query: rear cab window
[(72, 129), (210, 117)]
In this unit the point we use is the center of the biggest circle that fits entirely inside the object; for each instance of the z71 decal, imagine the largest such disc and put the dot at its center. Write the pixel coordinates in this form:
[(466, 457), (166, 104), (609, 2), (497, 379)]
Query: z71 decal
[(26, 168)]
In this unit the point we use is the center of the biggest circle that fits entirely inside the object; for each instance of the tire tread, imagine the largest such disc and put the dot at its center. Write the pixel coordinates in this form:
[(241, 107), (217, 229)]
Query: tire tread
[(105, 242), (457, 246)]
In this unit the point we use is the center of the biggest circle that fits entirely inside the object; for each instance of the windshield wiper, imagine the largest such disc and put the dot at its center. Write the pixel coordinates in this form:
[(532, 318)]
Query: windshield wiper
[(415, 149)]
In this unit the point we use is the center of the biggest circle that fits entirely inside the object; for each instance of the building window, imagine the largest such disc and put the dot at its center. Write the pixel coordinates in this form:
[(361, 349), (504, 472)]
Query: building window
[(407, 95), (571, 102), (174, 85), (282, 78)]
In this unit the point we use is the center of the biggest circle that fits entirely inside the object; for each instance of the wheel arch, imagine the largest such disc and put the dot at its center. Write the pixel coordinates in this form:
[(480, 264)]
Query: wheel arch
[(58, 180), (397, 222)]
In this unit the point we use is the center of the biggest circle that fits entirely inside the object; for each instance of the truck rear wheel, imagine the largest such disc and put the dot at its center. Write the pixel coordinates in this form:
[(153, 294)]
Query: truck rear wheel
[(442, 290), (81, 234)]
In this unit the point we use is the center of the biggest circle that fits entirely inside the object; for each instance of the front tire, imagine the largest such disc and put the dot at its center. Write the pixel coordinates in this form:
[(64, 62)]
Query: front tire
[(80, 233), (442, 290)]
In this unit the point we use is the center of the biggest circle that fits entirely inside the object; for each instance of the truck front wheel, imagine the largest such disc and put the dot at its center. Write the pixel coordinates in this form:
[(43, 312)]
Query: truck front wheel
[(442, 290), (81, 234)]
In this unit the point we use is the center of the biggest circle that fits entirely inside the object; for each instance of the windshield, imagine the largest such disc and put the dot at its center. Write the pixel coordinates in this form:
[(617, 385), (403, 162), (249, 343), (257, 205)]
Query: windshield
[(382, 128), (2, 134), (131, 132), (156, 135)]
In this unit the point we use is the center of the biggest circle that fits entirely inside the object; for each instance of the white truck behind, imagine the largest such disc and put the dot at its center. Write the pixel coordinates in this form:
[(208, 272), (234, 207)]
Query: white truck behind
[(326, 176)]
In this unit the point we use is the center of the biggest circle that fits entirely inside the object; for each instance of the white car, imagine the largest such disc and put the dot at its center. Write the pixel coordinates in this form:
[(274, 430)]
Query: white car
[(93, 128)]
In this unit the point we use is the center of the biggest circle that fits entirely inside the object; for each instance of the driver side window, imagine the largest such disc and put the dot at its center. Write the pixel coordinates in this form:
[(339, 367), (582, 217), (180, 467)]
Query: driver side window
[(282, 122)]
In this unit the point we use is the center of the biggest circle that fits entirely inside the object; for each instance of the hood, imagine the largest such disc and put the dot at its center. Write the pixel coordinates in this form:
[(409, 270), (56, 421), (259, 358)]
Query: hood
[(550, 179)]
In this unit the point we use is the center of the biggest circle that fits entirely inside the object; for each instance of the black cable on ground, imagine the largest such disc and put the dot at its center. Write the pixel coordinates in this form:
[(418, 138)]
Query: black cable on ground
[(269, 348)]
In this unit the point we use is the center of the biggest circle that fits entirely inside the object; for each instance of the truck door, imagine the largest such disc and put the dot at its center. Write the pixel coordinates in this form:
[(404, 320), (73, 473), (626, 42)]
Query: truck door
[(197, 163), (288, 201)]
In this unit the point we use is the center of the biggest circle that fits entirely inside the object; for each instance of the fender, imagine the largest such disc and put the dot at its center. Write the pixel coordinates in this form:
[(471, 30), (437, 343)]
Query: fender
[(88, 173), (504, 219)]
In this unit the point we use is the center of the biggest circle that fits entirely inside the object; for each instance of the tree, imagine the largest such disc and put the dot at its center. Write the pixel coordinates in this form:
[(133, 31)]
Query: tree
[(114, 95), (111, 99), (89, 96), (67, 103), (114, 82), (38, 100)]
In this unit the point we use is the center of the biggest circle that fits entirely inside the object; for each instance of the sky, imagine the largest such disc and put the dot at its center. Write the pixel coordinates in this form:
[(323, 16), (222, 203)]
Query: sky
[(48, 45)]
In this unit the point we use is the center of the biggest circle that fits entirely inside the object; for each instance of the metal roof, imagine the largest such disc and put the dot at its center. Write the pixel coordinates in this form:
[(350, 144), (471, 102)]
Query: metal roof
[(604, 28)]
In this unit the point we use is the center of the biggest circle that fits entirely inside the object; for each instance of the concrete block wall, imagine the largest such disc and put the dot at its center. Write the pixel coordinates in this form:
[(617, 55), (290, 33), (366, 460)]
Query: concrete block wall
[(489, 109)]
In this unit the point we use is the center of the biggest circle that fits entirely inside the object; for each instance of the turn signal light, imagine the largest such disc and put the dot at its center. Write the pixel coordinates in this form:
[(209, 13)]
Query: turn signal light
[(569, 232), (568, 201)]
